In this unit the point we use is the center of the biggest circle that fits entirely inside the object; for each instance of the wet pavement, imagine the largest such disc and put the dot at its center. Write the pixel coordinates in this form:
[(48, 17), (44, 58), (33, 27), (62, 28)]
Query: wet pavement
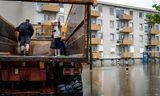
[(133, 80)]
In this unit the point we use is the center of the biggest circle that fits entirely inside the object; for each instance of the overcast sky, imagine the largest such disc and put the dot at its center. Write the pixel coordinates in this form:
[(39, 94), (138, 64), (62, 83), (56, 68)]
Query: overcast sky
[(137, 3)]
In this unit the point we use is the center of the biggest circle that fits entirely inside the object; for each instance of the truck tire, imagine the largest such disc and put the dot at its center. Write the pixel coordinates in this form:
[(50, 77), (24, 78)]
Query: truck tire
[(72, 87)]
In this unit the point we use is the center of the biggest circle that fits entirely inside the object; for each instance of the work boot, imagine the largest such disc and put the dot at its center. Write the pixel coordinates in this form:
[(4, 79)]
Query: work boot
[(27, 53)]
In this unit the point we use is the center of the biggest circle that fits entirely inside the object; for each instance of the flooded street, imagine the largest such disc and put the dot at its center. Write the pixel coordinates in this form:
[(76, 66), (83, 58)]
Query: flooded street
[(134, 80)]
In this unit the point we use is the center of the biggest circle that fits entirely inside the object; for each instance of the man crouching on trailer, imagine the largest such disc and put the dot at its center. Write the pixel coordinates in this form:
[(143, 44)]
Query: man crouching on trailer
[(26, 31)]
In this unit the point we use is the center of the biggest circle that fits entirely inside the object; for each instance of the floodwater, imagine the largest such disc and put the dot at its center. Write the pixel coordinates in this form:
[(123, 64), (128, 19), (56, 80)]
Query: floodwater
[(132, 80)]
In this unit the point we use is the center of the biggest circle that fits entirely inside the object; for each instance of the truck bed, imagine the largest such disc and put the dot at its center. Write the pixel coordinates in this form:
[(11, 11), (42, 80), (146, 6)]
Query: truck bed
[(41, 58)]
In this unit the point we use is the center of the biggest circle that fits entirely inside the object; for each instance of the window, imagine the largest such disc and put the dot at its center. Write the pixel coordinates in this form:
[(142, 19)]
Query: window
[(40, 17), (111, 24), (93, 36), (131, 48), (39, 6), (120, 36), (141, 27), (99, 21), (46, 17), (100, 8), (113, 49), (149, 49), (119, 11), (94, 48), (111, 11), (112, 37), (146, 29), (157, 27), (61, 5), (141, 38), (93, 20), (141, 50), (100, 35), (100, 48), (131, 12), (140, 15), (131, 36), (157, 37), (95, 7), (145, 38), (61, 19), (157, 48), (131, 24), (120, 24)]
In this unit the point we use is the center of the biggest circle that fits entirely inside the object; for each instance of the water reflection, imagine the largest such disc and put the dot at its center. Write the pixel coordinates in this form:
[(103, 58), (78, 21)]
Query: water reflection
[(138, 80)]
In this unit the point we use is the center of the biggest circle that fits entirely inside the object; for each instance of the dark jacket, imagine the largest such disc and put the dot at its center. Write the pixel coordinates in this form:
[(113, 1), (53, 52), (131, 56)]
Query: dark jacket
[(28, 30)]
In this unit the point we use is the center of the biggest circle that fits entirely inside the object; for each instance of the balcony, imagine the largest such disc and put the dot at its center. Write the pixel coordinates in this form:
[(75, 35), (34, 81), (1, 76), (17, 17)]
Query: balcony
[(154, 42), (42, 31), (127, 42), (154, 31), (154, 54), (127, 55), (96, 55), (127, 30), (95, 13), (51, 8), (95, 27), (126, 17), (96, 41)]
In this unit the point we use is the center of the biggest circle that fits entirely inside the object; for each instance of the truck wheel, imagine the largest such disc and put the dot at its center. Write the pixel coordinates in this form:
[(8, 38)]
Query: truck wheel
[(72, 87)]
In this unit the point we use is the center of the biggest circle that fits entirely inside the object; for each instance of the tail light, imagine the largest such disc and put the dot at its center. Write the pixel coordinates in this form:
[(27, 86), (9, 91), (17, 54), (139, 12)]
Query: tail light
[(76, 71), (67, 72), (41, 65), (78, 65)]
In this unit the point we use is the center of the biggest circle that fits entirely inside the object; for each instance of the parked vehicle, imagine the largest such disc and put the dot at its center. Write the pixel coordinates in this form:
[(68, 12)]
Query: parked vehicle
[(43, 75)]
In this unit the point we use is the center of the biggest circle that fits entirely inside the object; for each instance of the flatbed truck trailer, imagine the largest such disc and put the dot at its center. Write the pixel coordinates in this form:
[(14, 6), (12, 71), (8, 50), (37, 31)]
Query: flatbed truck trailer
[(42, 75)]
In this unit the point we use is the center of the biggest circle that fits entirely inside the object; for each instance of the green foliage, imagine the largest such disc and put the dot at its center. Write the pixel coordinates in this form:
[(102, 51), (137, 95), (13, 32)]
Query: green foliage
[(154, 17)]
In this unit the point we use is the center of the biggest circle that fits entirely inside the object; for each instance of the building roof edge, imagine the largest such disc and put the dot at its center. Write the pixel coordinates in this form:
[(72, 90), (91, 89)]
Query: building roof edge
[(126, 6)]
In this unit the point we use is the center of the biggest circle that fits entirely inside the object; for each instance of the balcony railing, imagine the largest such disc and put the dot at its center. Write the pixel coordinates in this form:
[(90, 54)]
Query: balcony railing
[(154, 31), (42, 31), (51, 8), (96, 41), (127, 42), (95, 27), (96, 55), (126, 17), (127, 55), (154, 42), (127, 30), (154, 54), (95, 13)]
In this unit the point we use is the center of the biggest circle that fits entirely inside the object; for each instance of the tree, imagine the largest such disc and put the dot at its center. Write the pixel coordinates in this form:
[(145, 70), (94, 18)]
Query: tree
[(154, 17)]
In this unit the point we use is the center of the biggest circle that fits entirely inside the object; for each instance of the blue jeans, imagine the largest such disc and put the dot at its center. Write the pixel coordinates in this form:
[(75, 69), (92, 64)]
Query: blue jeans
[(25, 40)]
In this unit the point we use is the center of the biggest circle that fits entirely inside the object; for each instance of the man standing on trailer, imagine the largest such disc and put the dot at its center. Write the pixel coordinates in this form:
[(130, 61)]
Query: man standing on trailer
[(26, 31)]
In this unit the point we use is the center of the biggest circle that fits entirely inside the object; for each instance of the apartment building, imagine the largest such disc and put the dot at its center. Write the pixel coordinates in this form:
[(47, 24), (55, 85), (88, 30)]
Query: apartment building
[(125, 32), (118, 31), (40, 14)]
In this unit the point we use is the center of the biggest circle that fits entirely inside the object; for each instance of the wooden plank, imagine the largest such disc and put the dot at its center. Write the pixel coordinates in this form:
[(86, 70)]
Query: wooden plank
[(43, 58), (7, 30)]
